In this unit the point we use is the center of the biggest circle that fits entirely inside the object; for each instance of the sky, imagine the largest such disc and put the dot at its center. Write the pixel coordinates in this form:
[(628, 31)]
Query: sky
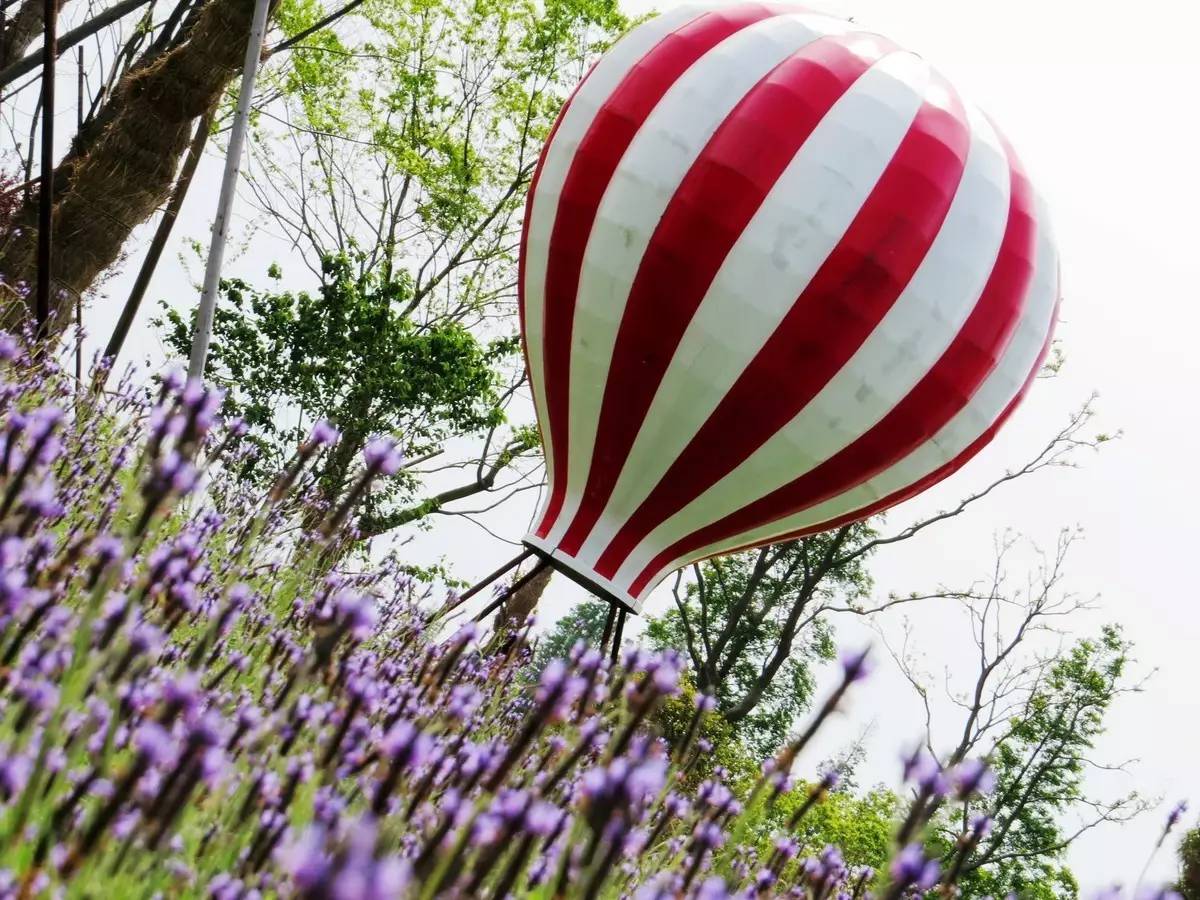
[(1099, 100)]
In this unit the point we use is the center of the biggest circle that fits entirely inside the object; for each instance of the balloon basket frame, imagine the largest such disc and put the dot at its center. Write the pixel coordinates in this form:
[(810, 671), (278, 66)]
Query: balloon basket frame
[(618, 609)]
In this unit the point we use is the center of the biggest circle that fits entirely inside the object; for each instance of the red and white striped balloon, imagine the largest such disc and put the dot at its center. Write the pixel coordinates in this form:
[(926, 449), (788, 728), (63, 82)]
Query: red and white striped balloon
[(776, 276)]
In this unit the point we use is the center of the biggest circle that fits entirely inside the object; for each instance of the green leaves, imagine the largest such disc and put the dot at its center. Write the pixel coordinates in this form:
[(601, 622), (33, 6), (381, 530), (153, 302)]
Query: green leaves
[(750, 623), (1041, 762), (348, 353)]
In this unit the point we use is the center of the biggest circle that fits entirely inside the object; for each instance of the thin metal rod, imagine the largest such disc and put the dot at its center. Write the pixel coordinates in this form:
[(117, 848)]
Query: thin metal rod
[(608, 624), (79, 297), (157, 244), (512, 589), (233, 161), (46, 197), (480, 585), (616, 644)]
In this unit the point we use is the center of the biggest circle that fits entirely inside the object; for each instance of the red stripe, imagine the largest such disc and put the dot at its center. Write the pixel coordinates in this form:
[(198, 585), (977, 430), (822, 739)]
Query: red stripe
[(853, 289), (592, 168), (940, 395), (714, 203), (894, 498), (533, 185)]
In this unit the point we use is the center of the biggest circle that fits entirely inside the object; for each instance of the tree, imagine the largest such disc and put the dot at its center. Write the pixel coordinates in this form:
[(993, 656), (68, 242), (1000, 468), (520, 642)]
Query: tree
[(585, 622), (122, 161), (754, 624), (1035, 713), (350, 354), (861, 825), (398, 165), (1189, 865), (737, 616)]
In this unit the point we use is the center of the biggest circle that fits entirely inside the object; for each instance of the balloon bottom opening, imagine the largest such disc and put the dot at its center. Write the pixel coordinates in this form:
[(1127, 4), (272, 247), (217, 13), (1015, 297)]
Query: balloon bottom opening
[(581, 575)]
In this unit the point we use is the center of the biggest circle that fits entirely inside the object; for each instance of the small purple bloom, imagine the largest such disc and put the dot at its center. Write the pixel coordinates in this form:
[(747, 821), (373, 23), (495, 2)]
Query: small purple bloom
[(382, 455), (972, 777), (855, 665), (323, 434), (1176, 814)]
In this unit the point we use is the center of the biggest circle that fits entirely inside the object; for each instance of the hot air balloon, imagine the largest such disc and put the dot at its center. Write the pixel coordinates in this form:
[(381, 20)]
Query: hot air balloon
[(776, 276)]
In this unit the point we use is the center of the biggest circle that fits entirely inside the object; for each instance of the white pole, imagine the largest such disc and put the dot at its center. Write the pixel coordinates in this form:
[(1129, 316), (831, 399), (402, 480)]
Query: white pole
[(233, 160)]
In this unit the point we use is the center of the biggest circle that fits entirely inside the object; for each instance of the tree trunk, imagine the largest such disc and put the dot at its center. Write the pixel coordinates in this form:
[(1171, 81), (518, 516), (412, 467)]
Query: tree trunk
[(21, 29), (118, 174), (523, 602)]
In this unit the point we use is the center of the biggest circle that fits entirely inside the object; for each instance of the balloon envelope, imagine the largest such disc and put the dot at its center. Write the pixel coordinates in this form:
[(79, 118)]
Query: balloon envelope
[(776, 276)]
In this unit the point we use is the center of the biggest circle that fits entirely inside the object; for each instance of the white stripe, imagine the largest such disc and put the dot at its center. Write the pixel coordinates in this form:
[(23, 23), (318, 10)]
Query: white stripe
[(601, 81), (993, 396), (899, 352), (656, 162), (803, 218)]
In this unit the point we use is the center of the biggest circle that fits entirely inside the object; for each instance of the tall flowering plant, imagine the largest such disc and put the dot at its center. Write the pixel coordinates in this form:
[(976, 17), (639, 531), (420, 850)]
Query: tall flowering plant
[(193, 704)]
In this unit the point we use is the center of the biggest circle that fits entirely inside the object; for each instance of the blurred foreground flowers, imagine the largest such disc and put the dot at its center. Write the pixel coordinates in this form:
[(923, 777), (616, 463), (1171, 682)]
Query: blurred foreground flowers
[(196, 700)]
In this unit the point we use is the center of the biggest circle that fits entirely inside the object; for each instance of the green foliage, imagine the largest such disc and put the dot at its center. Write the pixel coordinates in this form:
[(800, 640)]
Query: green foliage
[(1189, 865), (350, 354), (751, 625), (720, 748), (1040, 765), (394, 156), (417, 136), (585, 622), (861, 825)]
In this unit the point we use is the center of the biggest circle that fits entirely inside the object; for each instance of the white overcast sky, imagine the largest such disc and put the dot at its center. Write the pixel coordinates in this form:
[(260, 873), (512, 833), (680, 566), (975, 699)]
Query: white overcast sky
[(1100, 101)]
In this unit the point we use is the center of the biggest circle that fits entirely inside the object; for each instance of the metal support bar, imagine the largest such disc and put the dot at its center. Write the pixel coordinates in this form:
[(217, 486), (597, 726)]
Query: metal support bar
[(514, 587), (45, 267), (608, 625), (616, 644), (480, 585)]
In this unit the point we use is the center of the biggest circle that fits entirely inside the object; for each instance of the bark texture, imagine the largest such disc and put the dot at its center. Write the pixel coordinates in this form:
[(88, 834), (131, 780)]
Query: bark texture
[(21, 29), (122, 167), (522, 603)]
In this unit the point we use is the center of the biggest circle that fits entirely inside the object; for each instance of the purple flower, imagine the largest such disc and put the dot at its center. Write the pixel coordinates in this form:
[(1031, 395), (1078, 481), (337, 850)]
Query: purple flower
[(305, 860), (543, 819), (910, 867), (9, 347), (925, 771), (1176, 814), (14, 772), (712, 889), (323, 434), (152, 741), (708, 836), (382, 455), (357, 612), (980, 827), (41, 499), (405, 745), (972, 777), (855, 666)]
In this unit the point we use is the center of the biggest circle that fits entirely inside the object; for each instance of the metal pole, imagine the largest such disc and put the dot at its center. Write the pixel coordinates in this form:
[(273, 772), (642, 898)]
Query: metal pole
[(157, 244), (233, 159), (46, 197), (79, 297), (467, 595), (608, 624), (616, 645), (512, 589)]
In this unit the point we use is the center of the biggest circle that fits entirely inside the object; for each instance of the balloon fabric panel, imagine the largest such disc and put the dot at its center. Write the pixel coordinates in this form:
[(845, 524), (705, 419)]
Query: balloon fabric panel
[(775, 277)]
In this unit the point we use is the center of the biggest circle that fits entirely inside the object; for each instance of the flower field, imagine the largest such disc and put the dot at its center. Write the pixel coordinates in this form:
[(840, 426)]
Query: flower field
[(200, 696)]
